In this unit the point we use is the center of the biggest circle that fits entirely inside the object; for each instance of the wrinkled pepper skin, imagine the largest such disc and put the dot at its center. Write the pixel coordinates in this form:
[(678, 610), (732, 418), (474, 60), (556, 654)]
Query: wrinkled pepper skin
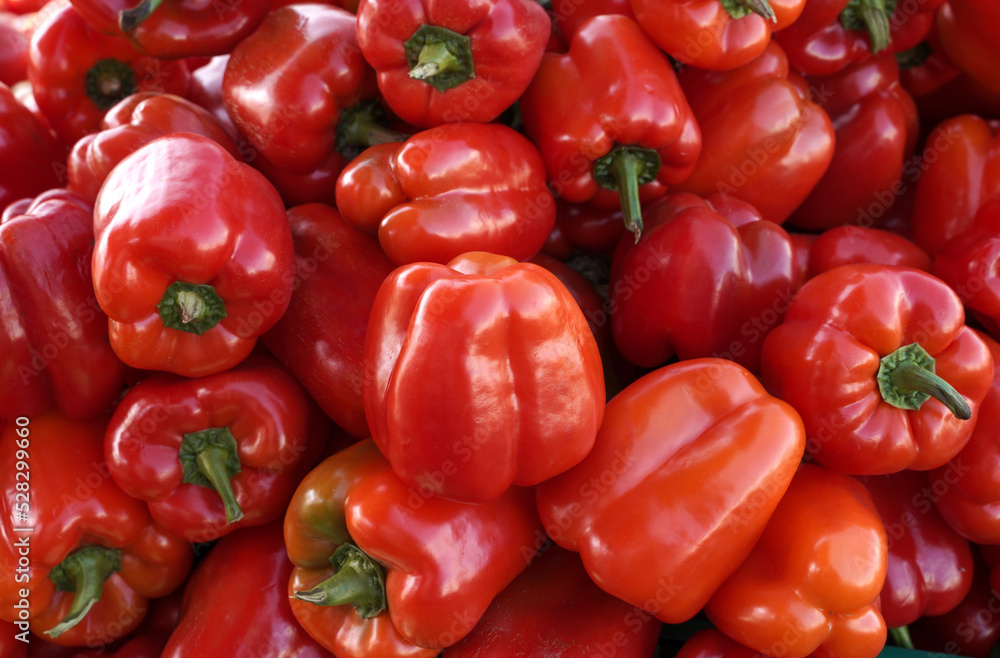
[(236, 602), (493, 50), (73, 505), (688, 466), (811, 584), (443, 561), (26, 141), (320, 338), (131, 124), (286, 85), (212, 222), (708, 35), (709, 278), (876, 125), (456, 188), (845, 245), (55, 336), (764, 140), (171, 438), (864, 314), (503, 345), (612, 99), (970, 37), (929, 568)]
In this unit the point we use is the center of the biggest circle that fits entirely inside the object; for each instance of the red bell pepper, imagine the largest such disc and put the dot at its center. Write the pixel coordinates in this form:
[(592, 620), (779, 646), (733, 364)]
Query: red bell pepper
[(320, 338), (845, 245), (584, 227), (771, 158), (15, 33), (217, 453), (710, 277), (812, 582), (712, 34), (26, 141), (554, 609), (443, 192), (223, 268), (236, 602), (969, 32), (286, 85), (960, 171), (178, 28), (442, 61), (206, 91), (131, 124), (876, 127), (929, 568), (880, 364), (78, 73), (610, 119), (567, 17), (713, 643), (85, 556), (55, 336), (925, 68), (689, 464), (506, 349), (382, 569)]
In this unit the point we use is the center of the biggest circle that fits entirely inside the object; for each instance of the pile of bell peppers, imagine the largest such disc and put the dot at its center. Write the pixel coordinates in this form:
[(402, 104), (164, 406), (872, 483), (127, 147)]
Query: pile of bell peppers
[(491, 328)]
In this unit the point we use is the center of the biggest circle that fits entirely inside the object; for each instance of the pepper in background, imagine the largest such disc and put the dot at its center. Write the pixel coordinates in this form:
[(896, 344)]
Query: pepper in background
[(26, 141), (213, 454), (876, 126), (710, 277), (969, 31), (567, 17), (95, 555), (880, 364), (77, 73), (11, 646), (764, 140), (206, 91), (610, 119), (812, 582), (501, 345), (688, 466), (718, 35), (55, 336), (320, 338), (236, 602), (844, 245), (444, 61), (443, 192), (584, 227), (130, 124), (15, 33), (382, 569), (193, 259)]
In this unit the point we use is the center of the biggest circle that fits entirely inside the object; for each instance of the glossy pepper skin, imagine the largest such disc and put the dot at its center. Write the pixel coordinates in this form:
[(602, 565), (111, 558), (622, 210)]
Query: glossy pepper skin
[(764, 140), (130, 124), (442, 61), (443, 192), (844, 245), (224, 264), (869, 410), (812, 581), (217, 453), (504, 346), (26, 141), (681, 461), (929, 569), (610, 119), (441, 562), (710, 277), (288, 101), (709, 34), (55, 336), (969, 35), (876, 126), (86, 535), (78, 73), (175, 29), (236, 602), (321, 337)]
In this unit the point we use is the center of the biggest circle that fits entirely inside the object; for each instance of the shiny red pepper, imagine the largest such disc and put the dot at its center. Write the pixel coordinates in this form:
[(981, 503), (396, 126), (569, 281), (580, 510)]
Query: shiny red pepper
[(844, 245), (969, 31), (584, 227), (24, 140), (15, 32), (713, 643)]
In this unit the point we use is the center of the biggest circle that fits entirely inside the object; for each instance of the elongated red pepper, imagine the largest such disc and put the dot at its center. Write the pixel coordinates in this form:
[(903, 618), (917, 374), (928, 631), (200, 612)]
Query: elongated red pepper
[(382, 569), (224, 264), (678, 486), (55, 336), (610, 119), (969, 35), (85, 556), (908, 377), (442, 61), (26, 141)]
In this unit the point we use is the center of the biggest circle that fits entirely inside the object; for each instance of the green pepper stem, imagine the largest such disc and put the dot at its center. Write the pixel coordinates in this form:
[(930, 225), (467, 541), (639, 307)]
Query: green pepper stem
[(360, 127), (357, 580), (130, 19), (877, 23), (109, 81), (83, 573), (434, 58), (906, 380), (191, 307), (740, 8), (210, 458), (625, 168), (440, 57), (901, 637), (212, 464)]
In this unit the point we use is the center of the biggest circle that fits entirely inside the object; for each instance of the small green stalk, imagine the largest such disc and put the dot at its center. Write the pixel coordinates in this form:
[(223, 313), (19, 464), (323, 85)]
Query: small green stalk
[(83, 572), (357, 580), (210, 458), (109, 81), (906, 380), (871, 16), (740, 8), (361, 126), (194, 308), (130, 19), (624, 169), (440, 57), (901, 637)]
